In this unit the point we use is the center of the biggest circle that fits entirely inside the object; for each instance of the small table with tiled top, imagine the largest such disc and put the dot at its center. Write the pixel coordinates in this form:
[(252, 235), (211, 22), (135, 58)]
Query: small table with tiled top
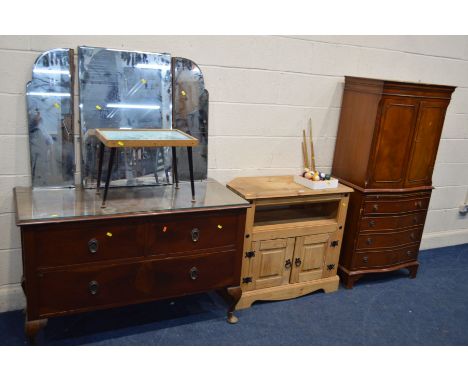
[(120, 138)]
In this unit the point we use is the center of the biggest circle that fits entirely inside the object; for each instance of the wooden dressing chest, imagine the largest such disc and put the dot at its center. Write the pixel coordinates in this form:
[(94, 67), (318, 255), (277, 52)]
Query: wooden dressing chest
[(149, 243), (386, 148), (292, 238)]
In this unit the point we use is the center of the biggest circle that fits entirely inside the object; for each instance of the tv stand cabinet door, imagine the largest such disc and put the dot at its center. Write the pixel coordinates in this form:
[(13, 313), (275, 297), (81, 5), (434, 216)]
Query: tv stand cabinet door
[(272, 262), (310, 254)]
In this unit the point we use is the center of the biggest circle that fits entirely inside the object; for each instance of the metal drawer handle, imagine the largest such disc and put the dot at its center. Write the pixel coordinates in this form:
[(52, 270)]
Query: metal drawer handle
[(93, 245), (412, 236), (409, 253), (418, 204), (194, 273), (365, 259), (195, 235), (93, 287), (287, 264), (372, 223), (369, 241), (298, 262), (375, 207)]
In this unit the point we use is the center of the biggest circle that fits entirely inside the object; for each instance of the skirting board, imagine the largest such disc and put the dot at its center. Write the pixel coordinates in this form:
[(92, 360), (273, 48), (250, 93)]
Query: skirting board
[(11, 298), (444, 239)]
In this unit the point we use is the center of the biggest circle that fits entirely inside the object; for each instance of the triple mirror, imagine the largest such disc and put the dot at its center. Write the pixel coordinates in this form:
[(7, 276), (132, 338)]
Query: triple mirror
[(119, 90)]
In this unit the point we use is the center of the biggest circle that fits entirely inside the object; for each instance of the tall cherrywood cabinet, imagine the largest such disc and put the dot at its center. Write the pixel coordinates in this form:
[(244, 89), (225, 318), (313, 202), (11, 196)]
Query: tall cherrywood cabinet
[(386, 147)]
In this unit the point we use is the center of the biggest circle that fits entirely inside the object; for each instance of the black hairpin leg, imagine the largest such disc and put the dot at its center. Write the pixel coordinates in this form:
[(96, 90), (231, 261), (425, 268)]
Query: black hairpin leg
[(190, 163), (99, 174), (109, 174), (175, 175)]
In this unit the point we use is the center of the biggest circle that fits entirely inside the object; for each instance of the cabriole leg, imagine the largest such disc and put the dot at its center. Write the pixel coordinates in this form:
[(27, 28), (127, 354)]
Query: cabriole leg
[(235, 294)]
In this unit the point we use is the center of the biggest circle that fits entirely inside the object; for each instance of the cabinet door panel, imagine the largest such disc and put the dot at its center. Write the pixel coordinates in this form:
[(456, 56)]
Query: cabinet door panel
[(425, 143), (270, 266), (393, 142), (309, 257)]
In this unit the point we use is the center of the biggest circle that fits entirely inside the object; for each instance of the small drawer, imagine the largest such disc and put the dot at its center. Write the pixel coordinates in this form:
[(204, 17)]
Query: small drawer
[(185, 233), (385, 258), (373, 240), (81, 288), (377, 223), (77, 243), (390, 206)]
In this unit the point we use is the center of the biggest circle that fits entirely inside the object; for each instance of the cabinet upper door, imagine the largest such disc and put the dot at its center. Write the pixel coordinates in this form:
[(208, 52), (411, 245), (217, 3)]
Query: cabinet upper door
[(425, 143), (392, 142), (271, 265)]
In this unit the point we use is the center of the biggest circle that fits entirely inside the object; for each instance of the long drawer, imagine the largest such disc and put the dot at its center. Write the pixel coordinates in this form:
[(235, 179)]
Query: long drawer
[(178, 234), (87, 242), (81, 288), (395, 205), (385, 258), (378, 223), (373, 240)]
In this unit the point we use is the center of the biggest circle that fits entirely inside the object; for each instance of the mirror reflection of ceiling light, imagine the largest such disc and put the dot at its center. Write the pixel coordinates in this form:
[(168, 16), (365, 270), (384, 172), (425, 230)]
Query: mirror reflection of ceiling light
[(48, 94), (132, 106), (51, 71), (152, 66)]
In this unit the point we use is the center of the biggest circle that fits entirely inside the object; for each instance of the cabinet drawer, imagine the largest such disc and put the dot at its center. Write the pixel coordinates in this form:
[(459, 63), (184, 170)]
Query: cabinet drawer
[(389, 206), (385, 258), (191, 274), (92, 286), (373, 240), (76, 243), (191, 233), (81, 288), (377, 223)]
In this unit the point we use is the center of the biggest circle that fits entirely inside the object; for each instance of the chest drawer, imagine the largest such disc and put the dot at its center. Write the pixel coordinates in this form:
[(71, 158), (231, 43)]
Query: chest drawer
[(82, 288), (76, 243), (377, 223), (391, 206), (187, 233), (373, 240), (385, 258)]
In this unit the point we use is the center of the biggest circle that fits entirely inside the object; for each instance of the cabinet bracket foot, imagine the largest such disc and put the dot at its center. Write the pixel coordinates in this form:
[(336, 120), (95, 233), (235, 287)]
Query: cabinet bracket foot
[(32, 328)]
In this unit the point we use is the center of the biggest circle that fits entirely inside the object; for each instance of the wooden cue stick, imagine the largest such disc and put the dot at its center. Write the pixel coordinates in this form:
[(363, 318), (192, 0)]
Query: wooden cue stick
[(312, 154), (305, 148), (304, 156)]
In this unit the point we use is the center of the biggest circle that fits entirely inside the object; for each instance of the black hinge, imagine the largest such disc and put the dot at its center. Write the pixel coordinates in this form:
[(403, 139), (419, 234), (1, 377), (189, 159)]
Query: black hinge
[(250, 254), (330, 266), (334, 243), (247, 280)]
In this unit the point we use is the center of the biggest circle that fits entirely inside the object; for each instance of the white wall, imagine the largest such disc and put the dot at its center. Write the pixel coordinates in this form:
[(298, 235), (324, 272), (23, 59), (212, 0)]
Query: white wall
[(262, 92)]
